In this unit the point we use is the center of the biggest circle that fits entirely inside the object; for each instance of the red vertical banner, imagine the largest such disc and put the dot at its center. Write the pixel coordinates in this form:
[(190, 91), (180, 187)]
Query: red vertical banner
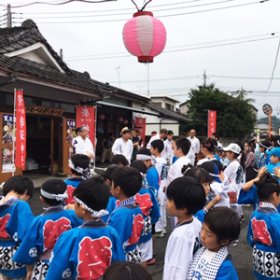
[(140, 125), (212, 122), (86, 116), (20, 151)]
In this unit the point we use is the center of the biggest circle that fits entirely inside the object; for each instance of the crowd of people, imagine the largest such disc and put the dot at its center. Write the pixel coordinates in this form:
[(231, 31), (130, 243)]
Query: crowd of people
[(105, 226)]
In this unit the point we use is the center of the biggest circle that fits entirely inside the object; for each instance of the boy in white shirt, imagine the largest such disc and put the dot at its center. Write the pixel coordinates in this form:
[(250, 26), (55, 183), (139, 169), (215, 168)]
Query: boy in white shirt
[(123, 145), (167, 152), (185, 196), (161, 166), (181, 149)]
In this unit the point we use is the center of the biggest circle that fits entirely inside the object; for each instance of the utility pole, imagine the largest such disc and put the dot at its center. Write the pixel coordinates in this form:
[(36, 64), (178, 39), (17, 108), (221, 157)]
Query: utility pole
[(204, 79), (61, 53), (9, 16)]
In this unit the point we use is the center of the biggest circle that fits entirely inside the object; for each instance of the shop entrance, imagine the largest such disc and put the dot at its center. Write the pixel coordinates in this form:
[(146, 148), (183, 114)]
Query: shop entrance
[(44, 144)]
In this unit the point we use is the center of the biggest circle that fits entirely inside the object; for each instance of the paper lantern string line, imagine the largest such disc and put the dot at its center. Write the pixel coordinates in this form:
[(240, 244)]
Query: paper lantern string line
[(142, 9)]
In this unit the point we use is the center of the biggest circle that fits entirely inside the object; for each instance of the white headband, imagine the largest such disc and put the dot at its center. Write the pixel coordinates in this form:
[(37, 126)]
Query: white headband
[(94, 214), (143, 157), (78, 169), (58, 197)]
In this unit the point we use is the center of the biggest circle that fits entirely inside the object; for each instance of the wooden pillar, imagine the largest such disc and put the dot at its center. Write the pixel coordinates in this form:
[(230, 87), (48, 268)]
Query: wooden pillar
[(65, 147)]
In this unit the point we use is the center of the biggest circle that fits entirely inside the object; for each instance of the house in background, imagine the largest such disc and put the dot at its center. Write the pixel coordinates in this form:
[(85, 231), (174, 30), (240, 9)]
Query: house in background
[(165, 117), (165, 102), (183, 108)]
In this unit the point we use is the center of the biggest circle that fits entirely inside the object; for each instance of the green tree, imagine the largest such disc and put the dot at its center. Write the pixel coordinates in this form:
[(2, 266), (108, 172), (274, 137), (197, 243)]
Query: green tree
[(236, 116)]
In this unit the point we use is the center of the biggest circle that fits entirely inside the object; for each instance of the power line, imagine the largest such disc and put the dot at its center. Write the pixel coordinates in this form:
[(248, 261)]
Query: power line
[(58, 3), (59, 16), (177, 50), (242, 77), (160, 79), (161, 16), (274, 67), (115, 10), (268, 34), (214, 9)]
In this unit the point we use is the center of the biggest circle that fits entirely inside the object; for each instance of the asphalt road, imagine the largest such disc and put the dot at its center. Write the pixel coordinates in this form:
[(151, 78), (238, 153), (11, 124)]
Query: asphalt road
[(241, 254)]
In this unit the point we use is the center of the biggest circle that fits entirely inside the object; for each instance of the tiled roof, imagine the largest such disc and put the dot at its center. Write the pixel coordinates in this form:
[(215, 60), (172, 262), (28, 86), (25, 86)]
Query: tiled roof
[(49, 73), (166, 113), (16, 38)]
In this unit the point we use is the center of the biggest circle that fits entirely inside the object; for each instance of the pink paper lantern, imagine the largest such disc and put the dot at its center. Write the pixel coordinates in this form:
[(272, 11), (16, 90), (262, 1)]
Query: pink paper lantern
[(144, 36)]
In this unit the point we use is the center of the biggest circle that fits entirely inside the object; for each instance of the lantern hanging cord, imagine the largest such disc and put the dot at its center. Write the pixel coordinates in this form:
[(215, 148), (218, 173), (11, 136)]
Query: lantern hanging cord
[(148, 80), (142, 9)]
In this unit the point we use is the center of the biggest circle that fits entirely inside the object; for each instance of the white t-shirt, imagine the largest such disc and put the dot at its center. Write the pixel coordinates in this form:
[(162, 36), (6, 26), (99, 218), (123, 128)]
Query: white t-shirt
[(180, 249), (218, 188), (83, 146), (203, 263), (167, 152), (121, 147), (159, 162), (205, 160), (234, 176), (195, 146), (175, 170), (155, 137)]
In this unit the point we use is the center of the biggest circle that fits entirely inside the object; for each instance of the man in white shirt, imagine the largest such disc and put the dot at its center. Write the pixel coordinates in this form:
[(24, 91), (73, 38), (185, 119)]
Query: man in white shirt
[(82, 144), (195, 146), (123, 145), (167, 152), (161, 135)]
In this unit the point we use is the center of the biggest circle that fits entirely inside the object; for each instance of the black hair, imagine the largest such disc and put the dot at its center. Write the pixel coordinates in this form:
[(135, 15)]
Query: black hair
[(144, 151), (109, 171), (163, 130), (170, 132), (93, 192), (78, 129), (186, 192), (266, 186), (200, 174), (79, 160), (184, 144), (126, 271), (54, 186), (139, 165), (265, 144), (224, 223), (186, 167), (20, 185), (128, 179), (216, 135), (210, 144), (212, 167), (120, 160), (158, 144), (218, 164)]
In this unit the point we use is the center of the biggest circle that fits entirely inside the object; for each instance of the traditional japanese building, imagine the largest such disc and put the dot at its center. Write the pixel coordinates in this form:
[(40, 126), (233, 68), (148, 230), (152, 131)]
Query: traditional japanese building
[(51, 93)]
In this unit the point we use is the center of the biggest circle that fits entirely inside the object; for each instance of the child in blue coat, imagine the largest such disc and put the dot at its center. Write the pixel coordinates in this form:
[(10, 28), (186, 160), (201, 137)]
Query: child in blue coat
[(37, 246), (79, 170), (264, 231), (212, 262), (85, 252), (127, 217), (15, 216)]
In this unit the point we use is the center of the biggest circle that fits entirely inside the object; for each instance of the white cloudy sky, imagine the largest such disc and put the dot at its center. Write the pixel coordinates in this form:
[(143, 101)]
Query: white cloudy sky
[(91, 38)]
